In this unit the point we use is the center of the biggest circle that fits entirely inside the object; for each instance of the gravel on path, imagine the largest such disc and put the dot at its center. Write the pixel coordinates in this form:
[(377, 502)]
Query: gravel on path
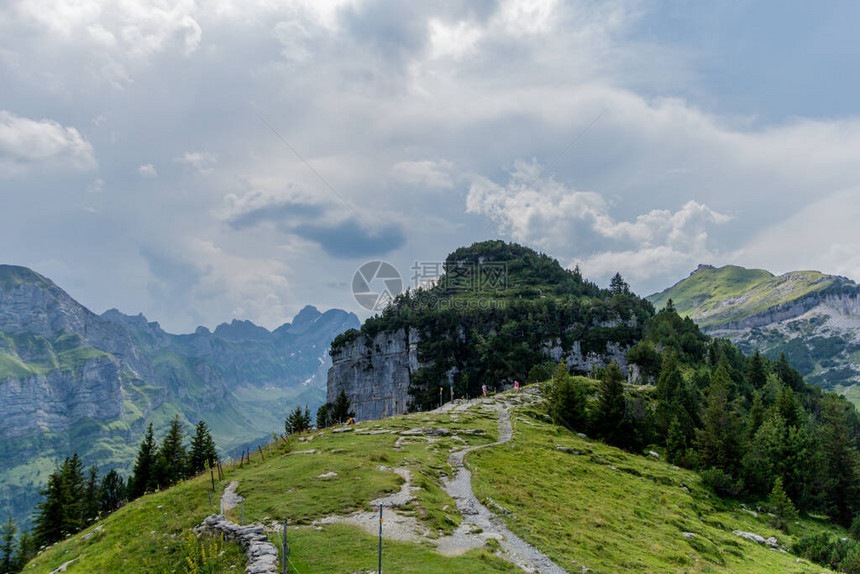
[(515, 549)]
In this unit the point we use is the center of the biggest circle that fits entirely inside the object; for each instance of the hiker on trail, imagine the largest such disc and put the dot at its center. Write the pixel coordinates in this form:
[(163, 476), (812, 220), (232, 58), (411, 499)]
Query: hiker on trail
[(516, 386), (484, 389)]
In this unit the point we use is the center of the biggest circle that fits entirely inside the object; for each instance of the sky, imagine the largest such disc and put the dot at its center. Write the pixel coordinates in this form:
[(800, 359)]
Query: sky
[(204, 161)]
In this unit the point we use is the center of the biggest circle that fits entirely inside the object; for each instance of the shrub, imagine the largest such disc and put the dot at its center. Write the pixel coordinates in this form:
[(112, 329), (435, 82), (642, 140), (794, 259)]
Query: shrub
[(721, 483)]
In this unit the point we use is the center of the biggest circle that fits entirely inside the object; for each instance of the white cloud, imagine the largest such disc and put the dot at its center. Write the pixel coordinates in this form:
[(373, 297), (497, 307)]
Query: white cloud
[(374, 96), (579, 226), (138, 28), (147, 170), (426, 173), (26, 144), (203, 161), (452, 40)]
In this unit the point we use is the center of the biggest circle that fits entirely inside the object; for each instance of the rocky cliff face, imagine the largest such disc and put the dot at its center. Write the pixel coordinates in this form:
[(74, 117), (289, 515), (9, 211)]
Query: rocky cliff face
[(375, 373), (56, 401), (74, 381)]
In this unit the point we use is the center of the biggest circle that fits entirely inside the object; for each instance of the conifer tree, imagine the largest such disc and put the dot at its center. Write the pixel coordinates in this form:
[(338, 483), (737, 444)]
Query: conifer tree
[(788, 408), (608, 421), (841, 464), (26, 550), (756, 371), (92, 497), (112, 492), (676, 443), (143, 475), (340, 410), (172, 459), (618, 286), (718, 440), (50, 520), (670, 383), (756, 415), (73, 494), (298, 421), (781, 506), (567, 400), (7, 546), (324, 416), (203, 453)]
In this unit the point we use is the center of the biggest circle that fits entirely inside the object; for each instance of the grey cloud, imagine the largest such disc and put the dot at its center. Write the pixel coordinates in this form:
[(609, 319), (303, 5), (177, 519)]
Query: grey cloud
[(360, 92), (352, 239), (279, 212)]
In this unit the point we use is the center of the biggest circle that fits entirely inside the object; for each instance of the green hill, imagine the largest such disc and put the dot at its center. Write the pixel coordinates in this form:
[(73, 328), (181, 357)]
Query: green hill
[(730, 463), (811, 317), (579, 501), (717, 296)]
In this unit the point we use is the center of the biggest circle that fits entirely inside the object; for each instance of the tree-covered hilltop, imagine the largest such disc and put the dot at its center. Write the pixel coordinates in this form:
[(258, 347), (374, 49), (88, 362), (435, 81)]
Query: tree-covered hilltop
[(500, 310)]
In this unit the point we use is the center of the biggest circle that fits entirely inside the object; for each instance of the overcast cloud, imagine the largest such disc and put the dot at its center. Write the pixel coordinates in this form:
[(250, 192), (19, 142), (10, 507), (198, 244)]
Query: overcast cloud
[(200, 161)]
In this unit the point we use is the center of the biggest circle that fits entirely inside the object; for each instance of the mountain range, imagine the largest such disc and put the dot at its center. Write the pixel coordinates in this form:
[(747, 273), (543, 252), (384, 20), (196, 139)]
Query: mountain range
[(75, 381), (811, 317)]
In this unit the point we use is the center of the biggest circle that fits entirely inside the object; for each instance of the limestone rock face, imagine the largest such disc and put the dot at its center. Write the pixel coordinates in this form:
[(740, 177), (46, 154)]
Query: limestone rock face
[(375, 373), (56, 401)]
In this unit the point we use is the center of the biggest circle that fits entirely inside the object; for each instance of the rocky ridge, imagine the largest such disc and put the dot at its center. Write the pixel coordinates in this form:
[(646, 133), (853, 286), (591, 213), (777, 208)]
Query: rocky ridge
[(811, 317)]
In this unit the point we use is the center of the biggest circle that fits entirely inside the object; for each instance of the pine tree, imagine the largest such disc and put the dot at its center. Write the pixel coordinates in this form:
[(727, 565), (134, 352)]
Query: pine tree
[(73, 494), (172, 459), (788, 375), (92, 498), (668, 391), (567, 400), (298, 421), (324, 416), (50, 521), (608, 420), (841, 464), (676, 443), (788, 407), (341, 411), (7, 546), (755, 418), (143, 475), (718, 438), (618, 286), (203, 453), (781, 506), (26, 550), (757, 371), (112, 492)]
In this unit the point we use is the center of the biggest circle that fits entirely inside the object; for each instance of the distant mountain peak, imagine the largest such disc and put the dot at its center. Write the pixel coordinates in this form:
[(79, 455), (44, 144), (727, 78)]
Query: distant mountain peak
[(239, 329), (304, 319), (13, 275)]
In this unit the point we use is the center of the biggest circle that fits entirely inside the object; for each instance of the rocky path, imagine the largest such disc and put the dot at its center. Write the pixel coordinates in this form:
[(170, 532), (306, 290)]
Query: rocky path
[(515, 549), (230, 499)]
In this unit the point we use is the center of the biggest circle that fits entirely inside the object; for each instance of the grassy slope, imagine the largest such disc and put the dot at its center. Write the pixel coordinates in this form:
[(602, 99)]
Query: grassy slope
[(714, 296), (572, 507), (627, 518)]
